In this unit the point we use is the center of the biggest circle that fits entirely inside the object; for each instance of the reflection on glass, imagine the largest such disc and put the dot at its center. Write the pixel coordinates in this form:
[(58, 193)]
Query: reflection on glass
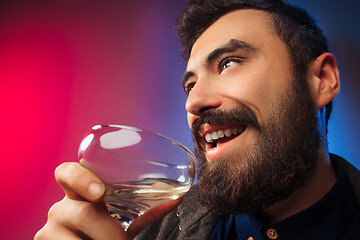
[(142, 169)]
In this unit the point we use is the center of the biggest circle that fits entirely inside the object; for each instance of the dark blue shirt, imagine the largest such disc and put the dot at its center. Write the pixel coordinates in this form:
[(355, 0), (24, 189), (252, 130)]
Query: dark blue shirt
[(335, 216)]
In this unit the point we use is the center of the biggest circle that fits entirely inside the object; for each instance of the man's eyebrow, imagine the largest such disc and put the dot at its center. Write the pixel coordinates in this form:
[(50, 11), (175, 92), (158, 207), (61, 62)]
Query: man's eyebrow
[(231, 46)]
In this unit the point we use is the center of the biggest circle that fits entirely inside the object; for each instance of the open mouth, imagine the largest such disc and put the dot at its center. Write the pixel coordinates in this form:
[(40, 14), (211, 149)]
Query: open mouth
[(214, 138)]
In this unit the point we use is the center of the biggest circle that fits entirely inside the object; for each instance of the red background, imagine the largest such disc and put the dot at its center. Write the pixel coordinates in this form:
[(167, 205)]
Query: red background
[(68, 65)]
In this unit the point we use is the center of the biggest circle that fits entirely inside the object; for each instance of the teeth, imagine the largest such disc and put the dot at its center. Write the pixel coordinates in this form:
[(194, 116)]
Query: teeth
[(228, 132), (214, 136), (234, 131), (220, 134), (208, 138), (211, 137)]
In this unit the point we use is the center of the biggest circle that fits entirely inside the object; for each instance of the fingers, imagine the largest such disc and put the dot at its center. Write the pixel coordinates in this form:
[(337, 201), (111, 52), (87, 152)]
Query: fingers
[(49, 232), (73, 219), (82, 213), (151, 216), (91, 219), (79, 183)]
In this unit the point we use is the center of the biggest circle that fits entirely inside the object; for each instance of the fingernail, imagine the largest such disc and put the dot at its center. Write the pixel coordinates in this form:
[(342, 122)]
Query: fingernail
[(95, 190)]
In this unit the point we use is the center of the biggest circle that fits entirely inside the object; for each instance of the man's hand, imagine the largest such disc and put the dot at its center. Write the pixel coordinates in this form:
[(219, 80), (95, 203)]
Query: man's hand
[(81, 214)]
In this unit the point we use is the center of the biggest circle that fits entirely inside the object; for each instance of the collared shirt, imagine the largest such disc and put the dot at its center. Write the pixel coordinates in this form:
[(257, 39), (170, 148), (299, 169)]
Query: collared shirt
[(335, 216)]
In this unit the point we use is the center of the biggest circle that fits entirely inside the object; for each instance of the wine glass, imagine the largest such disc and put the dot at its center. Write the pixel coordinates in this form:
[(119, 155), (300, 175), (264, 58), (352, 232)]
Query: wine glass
[(141, 169)]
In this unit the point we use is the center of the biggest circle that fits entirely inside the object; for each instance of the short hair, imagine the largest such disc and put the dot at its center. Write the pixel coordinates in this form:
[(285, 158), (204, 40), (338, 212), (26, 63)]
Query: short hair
[(297, 29)]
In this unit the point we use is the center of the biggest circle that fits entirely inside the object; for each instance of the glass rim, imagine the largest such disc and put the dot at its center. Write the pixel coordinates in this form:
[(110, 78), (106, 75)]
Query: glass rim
[(98, 126)]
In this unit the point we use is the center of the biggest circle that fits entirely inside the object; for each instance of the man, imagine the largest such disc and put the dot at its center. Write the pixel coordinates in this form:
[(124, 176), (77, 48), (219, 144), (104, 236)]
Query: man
[(260, 82)]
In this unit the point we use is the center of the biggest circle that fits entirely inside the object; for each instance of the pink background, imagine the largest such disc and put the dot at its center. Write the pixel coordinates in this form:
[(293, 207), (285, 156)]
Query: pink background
[(68, 65)]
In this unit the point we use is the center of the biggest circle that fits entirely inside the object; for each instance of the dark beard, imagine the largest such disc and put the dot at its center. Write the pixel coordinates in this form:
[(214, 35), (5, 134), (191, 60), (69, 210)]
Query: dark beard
[(283, 157)]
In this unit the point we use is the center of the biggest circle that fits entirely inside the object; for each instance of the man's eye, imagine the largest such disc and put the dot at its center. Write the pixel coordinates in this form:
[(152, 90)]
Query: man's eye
[(228, 62), (188, 87)]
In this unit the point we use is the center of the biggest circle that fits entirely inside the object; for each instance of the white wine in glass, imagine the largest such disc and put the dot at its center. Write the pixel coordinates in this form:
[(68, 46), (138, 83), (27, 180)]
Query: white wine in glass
[(141, 169)]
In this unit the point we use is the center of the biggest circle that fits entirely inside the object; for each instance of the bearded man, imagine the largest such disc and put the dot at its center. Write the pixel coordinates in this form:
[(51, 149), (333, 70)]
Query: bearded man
[(260, 82)]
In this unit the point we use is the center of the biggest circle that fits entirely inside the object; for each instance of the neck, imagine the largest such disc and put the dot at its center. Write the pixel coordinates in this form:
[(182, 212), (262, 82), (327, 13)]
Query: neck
[(312, 191)]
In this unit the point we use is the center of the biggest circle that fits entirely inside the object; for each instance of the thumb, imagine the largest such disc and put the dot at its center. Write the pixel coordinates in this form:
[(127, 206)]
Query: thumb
[(151, 216)]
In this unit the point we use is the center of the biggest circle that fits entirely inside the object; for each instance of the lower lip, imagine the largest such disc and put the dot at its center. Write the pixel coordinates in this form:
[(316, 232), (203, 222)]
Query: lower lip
[(222, 148)]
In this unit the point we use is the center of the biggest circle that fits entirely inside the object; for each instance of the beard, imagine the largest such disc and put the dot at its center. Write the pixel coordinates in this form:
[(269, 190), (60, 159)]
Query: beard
[(282, 157)]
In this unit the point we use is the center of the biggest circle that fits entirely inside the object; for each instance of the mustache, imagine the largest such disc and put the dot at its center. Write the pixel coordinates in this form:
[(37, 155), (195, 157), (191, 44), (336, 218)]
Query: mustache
[(242, 115)]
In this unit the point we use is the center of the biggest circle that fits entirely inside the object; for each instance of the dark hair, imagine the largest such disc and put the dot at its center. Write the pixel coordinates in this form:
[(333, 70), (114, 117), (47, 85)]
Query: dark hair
[(303, 38)]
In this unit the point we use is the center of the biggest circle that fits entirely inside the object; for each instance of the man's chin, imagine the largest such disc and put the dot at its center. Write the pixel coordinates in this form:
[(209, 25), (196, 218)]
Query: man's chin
[(250, 184)]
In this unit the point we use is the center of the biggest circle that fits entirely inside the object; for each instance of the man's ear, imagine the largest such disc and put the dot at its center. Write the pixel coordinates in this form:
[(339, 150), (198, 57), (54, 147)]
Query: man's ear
[(324, 79)]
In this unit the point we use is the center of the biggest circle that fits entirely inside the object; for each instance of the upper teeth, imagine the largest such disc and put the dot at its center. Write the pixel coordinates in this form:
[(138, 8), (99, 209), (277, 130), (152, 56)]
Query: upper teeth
[(213, 136)]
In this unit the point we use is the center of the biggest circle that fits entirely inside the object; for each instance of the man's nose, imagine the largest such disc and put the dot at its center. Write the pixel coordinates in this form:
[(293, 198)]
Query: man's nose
[(203, 96)]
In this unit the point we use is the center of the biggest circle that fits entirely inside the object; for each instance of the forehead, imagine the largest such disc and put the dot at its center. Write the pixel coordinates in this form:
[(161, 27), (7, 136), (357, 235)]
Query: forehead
[(252, 26)]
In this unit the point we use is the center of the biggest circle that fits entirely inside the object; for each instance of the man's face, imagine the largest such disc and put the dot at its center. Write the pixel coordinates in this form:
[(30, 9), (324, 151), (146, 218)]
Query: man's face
[(256, 138), (238, 61)]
